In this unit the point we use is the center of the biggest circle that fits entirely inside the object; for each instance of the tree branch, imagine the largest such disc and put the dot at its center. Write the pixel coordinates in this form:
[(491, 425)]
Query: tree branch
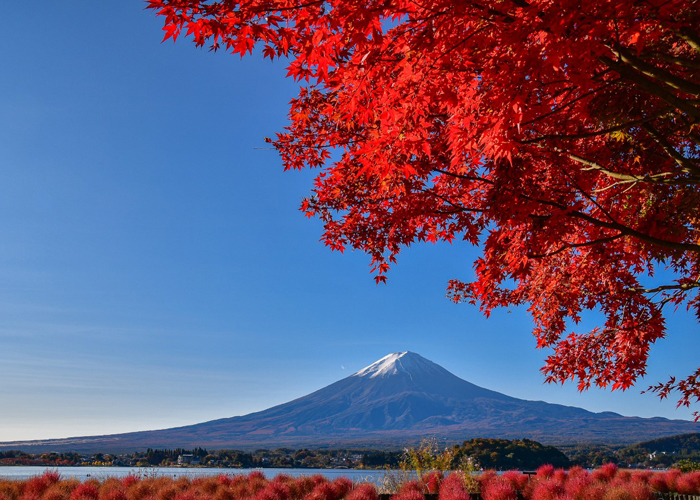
[(690, 37), (682, 161), (661, 178), (625, 230), (678, 61), (584, 135), (682, 287), (570, 103), (457, 208), (650, 87), (652, 71), (464, 177), (566, 246)]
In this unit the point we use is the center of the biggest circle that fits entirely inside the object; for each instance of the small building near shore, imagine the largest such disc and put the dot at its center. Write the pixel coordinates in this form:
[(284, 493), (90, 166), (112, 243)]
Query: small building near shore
[(187, 459)]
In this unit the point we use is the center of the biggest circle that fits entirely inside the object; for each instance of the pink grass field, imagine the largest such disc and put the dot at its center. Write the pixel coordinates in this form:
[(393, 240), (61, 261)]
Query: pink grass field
[(605, 483)]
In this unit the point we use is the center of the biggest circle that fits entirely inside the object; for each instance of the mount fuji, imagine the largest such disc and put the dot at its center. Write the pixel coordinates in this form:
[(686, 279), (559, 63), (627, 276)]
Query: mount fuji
[(397, 400)]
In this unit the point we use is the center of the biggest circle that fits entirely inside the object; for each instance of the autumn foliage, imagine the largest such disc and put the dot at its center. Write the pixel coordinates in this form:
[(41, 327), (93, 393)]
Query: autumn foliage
[(559, 137)]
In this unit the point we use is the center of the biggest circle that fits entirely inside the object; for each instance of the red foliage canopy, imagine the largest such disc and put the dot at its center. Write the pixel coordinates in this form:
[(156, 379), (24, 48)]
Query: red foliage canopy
[(560, 137)]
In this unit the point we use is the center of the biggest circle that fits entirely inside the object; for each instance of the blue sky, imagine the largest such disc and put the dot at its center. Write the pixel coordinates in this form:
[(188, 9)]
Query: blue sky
[(155, 270)]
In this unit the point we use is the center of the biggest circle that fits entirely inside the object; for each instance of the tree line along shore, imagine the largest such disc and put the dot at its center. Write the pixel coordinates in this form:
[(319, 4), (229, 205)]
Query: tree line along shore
[(500, 454)]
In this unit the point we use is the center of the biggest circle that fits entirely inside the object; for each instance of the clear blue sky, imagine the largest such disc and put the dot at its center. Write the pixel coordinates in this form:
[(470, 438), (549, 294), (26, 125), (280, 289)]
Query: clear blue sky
[(155, 270)]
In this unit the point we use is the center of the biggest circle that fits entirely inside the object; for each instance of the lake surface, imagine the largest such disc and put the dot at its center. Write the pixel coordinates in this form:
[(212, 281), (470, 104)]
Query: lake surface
[(82, 473)]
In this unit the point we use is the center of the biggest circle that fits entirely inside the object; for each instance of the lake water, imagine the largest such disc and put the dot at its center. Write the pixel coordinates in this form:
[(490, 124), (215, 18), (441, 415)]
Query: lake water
[(82, 473)]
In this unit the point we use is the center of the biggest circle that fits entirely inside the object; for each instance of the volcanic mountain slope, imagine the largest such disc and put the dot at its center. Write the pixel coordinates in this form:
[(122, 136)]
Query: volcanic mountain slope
[(396, 400)]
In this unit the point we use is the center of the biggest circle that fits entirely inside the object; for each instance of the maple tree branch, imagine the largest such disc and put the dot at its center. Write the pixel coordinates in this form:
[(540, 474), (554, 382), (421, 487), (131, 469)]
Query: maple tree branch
[(464, 177), (681, 160), (588, 196), (680, 287), (625, 230), (678, 61), (688, 387), (619, 183), (566, 246), (285, 9), (453, 48), (613, 224), (570, 103), (458, 208), (425, 7), (689, 37), (688, 247), (650, 87), (661, 178), (596, 133), (506, 18), (652, 71), (349, 142)]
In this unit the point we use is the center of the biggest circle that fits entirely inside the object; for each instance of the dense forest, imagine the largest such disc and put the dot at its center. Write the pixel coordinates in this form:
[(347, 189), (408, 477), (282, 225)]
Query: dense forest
[(505, 454), (658, 453)]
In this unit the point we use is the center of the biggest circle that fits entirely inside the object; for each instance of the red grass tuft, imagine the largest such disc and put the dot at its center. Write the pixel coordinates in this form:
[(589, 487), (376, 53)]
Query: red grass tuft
[(432, 481), (641, 476), (363, 492), (130, 480), (577, 471), (341, 487), (56, 493), (187, 495), (323, 491), (224, 480), (317, 479), (500, 489), (548, 489), (486, 477), (580, 486), (664, 482), (302, 486), (623, 476), (516, 479), (9, 490), (452, 488), (545, 471), (606, 473), (629, 491), (274, 491), (35, 487), (113, 494), (52, 476), (85, 491), (560, 475), (256, 481), (140, 490), (409, 494), (689, 483)]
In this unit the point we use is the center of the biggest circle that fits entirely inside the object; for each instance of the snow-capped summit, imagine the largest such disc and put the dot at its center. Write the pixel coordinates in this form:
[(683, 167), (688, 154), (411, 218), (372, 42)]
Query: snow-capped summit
[(398, 362)]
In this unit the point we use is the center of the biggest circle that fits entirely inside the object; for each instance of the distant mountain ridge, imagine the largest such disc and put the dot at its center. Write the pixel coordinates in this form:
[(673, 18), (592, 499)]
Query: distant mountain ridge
[(397, 400)]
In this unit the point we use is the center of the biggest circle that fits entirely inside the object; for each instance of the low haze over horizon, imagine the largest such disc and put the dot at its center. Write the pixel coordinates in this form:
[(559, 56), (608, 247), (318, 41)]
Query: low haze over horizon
[(155, 270)]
